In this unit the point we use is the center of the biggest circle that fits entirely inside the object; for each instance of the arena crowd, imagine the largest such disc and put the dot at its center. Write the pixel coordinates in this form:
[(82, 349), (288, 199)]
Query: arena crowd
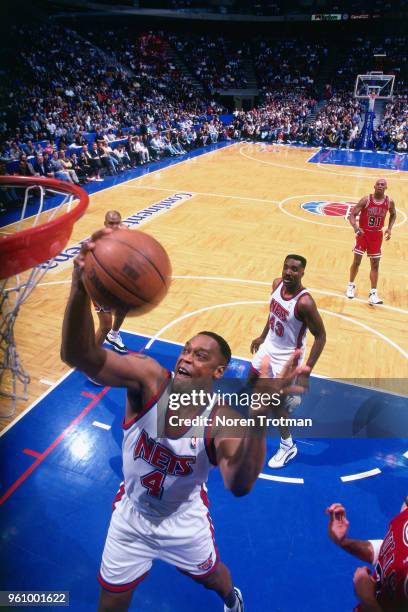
[(82, 104)]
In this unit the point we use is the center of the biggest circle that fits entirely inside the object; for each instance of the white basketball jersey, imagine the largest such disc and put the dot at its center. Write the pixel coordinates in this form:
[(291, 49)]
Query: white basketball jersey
[(286, 331), (164, 475)]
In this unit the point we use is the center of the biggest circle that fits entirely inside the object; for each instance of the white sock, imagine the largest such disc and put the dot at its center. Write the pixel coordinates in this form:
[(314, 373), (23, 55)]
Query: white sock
[(235, 607), (113, 333), (373, 290), (288, 442)]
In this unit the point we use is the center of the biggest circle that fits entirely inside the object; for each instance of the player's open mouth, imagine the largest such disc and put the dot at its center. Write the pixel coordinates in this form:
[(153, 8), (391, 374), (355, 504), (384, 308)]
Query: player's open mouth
[(183, 372)]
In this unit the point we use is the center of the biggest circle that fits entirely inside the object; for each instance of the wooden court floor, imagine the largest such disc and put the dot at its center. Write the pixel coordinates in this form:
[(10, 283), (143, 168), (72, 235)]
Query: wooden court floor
[(227, 242)]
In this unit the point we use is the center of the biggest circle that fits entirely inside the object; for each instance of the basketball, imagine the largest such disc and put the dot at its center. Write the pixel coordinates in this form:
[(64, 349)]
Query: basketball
[(127, 269)]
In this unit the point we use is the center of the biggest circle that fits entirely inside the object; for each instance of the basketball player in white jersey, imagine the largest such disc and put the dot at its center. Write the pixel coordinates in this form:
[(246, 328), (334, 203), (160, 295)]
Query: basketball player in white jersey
[(161, 508), (292, 312)]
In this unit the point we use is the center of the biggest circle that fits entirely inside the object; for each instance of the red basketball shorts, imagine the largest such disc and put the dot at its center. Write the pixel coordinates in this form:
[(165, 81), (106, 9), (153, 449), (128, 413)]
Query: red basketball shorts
[(369, 242)]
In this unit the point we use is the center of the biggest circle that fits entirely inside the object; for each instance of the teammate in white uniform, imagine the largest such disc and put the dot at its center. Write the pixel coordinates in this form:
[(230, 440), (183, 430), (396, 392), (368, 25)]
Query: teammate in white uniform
[(161, 509), (292, 312)]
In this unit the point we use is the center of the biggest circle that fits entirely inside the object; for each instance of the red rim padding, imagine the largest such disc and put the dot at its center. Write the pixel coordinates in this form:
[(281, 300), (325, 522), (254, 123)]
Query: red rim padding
[(24, 250)]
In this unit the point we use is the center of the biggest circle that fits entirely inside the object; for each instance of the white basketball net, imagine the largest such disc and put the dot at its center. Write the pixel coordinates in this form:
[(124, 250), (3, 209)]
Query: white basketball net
[(15, 290)]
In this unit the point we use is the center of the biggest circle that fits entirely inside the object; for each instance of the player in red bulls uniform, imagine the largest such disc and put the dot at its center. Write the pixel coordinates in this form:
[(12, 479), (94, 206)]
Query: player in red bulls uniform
[(372, 210), (161, 508), (386, 590)]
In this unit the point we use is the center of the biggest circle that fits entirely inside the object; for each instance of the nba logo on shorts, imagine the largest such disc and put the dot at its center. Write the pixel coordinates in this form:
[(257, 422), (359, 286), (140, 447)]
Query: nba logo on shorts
[(327, 208), (206, 565)]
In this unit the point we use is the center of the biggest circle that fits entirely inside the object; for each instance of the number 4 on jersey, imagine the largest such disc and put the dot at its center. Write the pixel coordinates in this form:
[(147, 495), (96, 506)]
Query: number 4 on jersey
[(153, 482)]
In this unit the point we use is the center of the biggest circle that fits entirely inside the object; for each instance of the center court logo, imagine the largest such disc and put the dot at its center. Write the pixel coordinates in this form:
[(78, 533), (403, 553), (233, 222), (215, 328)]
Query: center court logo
[(137, 219), (326, 208)]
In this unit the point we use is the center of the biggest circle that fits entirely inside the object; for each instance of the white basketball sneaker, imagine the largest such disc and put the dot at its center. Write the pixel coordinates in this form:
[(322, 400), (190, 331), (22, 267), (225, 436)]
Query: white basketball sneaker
[(351, 291), (240, 607), (114, 338), (373, 297), (284, 454)]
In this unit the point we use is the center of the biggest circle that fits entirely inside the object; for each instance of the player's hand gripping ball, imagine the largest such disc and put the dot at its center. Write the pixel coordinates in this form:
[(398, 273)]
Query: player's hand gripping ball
[(128, 270)]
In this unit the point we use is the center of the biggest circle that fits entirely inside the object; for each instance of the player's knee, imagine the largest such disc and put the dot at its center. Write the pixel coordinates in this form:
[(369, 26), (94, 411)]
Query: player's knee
[(114, 602), (375, 264)]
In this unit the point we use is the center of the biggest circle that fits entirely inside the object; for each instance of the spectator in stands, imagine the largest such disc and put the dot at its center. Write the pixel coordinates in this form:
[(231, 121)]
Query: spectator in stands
[(79, 167), (57, 169), (123, 157), (25, 168), (94, 160), (14, 151), (175, 142), (79, 140), (130, 150), (109, 161), (29, 148), (85, 165), (156, 147), (39, 166), (141, 150), (67, 166), (8, 195)]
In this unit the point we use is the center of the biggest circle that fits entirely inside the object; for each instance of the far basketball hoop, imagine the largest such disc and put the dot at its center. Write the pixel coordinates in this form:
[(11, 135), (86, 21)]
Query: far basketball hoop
[(376, 84)]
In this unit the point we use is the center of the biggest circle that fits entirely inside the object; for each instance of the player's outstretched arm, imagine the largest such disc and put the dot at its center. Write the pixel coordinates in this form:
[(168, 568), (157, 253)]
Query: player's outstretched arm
[(79, 349), (338, 533), (241, 453), (355, 211)]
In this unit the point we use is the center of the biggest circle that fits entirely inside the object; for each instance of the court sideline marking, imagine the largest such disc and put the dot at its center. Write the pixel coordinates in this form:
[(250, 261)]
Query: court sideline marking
[(202, 193), (37, 401), (360, 475), (317, 171), (286, 479), (385, 172), (52, 446)]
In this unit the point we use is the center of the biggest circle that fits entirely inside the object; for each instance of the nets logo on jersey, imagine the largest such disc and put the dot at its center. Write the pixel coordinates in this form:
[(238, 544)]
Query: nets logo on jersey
[(328, 209)]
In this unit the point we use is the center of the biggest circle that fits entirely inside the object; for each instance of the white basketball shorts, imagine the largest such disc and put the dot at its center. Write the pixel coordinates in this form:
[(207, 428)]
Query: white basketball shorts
[(275, 367), (185, 540)]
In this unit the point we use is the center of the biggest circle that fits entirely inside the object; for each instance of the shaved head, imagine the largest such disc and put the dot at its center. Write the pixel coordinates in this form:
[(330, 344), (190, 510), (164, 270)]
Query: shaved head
[(113, 219), (381, 182)]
